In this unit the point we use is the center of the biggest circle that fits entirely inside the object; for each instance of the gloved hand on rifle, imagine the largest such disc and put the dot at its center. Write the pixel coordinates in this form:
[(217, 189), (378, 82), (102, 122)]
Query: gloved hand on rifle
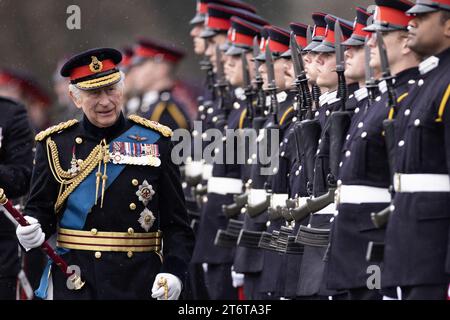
[(30, 236)]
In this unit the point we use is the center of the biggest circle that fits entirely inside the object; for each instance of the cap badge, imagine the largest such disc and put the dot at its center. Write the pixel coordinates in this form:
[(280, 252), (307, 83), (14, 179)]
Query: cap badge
[(96, 65)]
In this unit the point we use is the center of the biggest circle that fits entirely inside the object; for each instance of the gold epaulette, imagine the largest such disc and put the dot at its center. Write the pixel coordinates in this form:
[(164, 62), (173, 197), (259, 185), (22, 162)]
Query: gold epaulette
[(56, 128), (164, 130)]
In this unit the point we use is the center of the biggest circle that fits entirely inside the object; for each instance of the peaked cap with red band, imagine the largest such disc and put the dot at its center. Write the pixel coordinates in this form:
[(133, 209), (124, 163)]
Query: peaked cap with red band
[(390, 15), (202, 8), (93, 69), (358, 36), (299, 30), (320, 26), (424, 6), (327, 44), (242, 35), (218, 19), (278, 42), (150, 48)]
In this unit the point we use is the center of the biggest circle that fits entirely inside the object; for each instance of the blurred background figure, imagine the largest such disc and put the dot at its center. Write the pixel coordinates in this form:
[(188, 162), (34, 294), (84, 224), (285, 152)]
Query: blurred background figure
[(23, 88), (153, 78)]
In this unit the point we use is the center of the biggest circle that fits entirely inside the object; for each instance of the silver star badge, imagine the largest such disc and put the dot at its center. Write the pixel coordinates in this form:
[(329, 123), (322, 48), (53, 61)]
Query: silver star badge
[(146, 219), (145, 192)]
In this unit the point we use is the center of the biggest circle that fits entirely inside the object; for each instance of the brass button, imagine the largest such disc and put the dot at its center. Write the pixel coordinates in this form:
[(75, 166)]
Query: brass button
[(130, 231), (98, 254), (135, 182), (78, 140), (132, 206), (94, 231), (130, 254)]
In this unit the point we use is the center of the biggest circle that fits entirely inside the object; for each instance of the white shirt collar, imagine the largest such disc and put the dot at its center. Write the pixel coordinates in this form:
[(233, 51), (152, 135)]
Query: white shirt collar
[(428, 64), (361, 93)]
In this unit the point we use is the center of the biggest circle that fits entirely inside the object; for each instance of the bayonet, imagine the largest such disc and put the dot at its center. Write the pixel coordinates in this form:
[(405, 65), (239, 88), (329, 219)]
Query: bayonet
[(248, 89), (309, 34), (261, 97), (371, 82), (340, 64), (272, 88)]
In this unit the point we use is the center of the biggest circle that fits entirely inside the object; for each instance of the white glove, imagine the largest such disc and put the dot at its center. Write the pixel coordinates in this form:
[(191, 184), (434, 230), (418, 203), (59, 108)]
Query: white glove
[(30, 236), (238, 279), (173, 287)]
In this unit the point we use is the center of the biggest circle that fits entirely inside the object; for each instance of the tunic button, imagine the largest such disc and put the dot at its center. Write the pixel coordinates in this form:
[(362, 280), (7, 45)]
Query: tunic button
[(417, 122), (407, 112), (347, 154), (356, 110), (78, 140), (364, 134), (340, 164), (98, 254), (135, 182), (360, 125), (130, 231), (401, 143), (130, 254), (327, 113), (132, 206), (297, 172), (94, 231), (347, 137), (420, 82)]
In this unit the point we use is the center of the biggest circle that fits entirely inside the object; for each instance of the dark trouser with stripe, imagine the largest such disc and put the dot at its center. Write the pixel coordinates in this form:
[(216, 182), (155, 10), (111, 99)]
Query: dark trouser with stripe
[(219, 283), (195, 283)]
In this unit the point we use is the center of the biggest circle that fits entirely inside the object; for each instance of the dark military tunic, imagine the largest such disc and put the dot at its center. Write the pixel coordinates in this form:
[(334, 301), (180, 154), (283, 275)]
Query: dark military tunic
[(417, 248), (364, 163), (16, 156), (313, 264), (116, 275)]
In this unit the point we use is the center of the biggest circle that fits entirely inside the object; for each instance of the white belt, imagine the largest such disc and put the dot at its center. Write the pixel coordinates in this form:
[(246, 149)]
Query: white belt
[(278, 200), (193, 168), (224, 185), (422, 182), (207, 171), (329, 209), (256, 196), (362, 194)]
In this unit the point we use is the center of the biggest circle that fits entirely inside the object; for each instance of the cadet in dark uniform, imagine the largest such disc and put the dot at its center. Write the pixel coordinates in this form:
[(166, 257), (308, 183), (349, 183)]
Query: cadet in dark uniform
[(363, 174), (109, 190), (16, 157), (417, 251), (311, 285)]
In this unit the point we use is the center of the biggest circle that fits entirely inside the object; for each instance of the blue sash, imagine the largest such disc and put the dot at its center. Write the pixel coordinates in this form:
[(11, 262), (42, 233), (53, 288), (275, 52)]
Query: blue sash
[(82, 199)]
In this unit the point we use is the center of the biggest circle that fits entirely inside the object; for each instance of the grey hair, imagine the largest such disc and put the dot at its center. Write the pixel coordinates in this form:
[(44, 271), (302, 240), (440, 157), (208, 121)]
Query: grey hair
[(77, 92)]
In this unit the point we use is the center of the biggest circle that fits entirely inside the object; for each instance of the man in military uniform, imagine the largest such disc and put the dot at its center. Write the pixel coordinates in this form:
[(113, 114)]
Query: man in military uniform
[(417, 251), (109, 190), (16, 143)]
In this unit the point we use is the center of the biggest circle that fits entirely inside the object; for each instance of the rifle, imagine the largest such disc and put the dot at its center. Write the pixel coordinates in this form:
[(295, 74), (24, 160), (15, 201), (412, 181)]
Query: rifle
[(260, 95), (339, 120), (248, 88), (381, 218), (371, 82)]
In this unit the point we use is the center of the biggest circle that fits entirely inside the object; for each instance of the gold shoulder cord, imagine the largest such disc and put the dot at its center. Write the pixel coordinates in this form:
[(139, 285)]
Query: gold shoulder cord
[(70, 181)]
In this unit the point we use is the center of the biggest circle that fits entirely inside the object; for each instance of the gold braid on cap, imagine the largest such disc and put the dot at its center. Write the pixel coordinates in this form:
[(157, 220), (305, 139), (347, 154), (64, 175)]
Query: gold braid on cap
[(69, 181), (56, 128), (164, 130)]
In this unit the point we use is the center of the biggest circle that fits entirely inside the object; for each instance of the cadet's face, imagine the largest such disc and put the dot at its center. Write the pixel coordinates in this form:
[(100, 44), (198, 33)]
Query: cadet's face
[(199, 43), (394, 42), (424, 41), (311, 66), (289, 73), (213, 42), (102, 106), (326, 70), (130, 82), (354, 63), (233, 69)]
